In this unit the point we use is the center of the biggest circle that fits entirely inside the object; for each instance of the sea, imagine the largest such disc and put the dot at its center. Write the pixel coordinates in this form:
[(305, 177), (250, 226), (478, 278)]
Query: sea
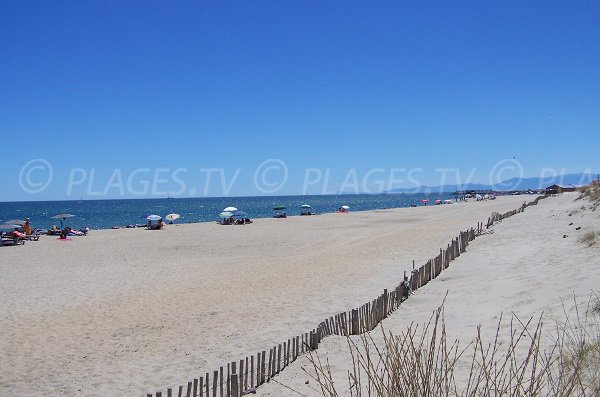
[(107, 214)]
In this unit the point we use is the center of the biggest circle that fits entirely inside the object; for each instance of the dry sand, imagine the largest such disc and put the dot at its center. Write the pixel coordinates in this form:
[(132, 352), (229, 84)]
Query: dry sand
[(125, 312), (524, 266)]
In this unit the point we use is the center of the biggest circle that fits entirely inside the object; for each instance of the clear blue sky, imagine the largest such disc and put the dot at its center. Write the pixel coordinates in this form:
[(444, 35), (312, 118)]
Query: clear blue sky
[(327, 85)]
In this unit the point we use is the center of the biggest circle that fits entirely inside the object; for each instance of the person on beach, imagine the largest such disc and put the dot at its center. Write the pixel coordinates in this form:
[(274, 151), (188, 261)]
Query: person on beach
[(17, 234), (64, 233), (27, 227)]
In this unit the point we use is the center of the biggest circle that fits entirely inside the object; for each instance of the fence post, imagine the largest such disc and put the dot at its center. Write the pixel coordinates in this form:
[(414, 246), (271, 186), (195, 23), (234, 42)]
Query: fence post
[(385, 303), (234, 385), (262, 367)]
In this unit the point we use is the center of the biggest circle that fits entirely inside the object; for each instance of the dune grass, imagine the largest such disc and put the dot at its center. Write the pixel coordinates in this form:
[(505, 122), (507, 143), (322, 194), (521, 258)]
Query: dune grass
[(422, 361), (592, 193), (590, 238)]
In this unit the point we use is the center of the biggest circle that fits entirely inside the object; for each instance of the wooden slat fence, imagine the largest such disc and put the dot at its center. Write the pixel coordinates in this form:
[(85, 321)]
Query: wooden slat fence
[(242, 377)]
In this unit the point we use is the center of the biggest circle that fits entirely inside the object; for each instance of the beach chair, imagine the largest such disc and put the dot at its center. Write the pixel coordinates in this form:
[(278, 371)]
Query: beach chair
[(32, 237), (12, 239)]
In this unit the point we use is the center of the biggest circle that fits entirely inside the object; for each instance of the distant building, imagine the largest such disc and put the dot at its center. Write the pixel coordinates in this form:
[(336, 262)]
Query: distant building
[(556, 189)]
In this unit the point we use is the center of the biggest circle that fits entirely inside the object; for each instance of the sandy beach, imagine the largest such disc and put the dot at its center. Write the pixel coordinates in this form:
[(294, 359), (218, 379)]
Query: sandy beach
[(525, 266), (126, 312)]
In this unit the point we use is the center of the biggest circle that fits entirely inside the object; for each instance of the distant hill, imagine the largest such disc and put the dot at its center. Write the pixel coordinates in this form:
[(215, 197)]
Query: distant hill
[(509, 184)]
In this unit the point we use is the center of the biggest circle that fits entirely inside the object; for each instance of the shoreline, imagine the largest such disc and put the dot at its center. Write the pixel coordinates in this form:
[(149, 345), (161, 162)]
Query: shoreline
[(166, 224), (103, 216)]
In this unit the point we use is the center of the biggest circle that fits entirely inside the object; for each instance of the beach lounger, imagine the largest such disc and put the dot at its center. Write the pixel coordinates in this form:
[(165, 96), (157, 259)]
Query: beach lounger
[(11, 239), (33, 237)]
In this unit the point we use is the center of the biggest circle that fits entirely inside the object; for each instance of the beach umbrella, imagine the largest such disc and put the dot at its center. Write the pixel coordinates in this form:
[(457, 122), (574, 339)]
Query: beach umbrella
[(345, 207), (305, 206), (226, 214), (424, 201), (62, 217), (230, 209), (278, 208), (172, 217), (15, 222), (154, 217), (9, 227), (240, 214)]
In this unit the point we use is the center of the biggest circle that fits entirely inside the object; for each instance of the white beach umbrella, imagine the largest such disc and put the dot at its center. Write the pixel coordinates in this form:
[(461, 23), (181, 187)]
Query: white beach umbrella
[(154, 217), (345, 207), (230, 209), (172, 217)]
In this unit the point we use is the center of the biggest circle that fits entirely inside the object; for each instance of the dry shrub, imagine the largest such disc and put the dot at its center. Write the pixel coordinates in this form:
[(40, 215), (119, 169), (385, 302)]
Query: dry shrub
[(425, 363), (590, 238), (592, 193), (574, 212)]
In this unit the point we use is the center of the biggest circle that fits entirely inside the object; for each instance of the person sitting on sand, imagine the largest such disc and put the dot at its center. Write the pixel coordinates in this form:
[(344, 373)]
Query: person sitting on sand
[(64, 233), (17, 234), (160, 224)]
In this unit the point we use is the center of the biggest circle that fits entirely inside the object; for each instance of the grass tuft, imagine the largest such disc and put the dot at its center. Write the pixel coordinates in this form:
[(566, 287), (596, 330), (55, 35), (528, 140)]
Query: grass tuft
[(422, 361), (590, 238), (592, 193)]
